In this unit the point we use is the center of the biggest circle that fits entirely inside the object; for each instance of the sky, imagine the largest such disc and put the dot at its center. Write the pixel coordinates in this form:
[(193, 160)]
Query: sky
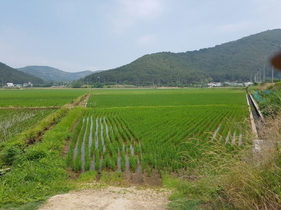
[(78, 35)]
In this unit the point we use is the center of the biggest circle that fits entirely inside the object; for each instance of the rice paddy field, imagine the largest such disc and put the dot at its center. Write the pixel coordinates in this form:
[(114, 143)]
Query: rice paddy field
[(136, 130), (22, 108), (38, 97), (15, 121), (141, 130)]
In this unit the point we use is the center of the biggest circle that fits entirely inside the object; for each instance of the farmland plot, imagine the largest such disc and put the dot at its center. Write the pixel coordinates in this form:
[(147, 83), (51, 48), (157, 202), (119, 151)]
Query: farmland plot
[(142, 130), (21, 109), (167, 97), (14, 121), (39, 97), (102, 140)]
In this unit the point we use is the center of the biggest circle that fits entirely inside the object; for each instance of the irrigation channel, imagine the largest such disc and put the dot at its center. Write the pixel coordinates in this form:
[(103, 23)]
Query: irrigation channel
[(258, 122), (257, 117)]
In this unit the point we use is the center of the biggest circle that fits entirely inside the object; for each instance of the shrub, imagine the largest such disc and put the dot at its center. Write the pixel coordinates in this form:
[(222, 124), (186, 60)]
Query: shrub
[(9, 155), (35, 154)]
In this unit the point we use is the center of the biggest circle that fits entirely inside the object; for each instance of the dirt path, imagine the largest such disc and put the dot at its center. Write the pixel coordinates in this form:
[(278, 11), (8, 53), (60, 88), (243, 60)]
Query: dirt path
[(117, 198)]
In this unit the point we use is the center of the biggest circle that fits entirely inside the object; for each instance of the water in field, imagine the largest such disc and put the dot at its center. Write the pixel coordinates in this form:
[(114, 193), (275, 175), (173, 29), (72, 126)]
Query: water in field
[(118, 164), (132, 150), (92, 166), (91, 135), (127, 164)]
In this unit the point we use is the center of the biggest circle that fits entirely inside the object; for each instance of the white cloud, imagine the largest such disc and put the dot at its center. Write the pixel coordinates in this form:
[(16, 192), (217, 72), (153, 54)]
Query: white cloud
[(129, 12), (269, 13), (267, 7), (141, 8), (230, 28), (146, 39)]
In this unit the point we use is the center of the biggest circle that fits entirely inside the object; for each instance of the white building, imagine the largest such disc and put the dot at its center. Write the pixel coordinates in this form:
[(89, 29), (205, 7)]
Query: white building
[(10, 84), (29, 84), (248, 83), (214, 84)]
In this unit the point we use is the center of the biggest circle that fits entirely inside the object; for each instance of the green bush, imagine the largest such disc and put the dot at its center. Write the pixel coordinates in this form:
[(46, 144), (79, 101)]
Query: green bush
[(9, 155), (35, 154)]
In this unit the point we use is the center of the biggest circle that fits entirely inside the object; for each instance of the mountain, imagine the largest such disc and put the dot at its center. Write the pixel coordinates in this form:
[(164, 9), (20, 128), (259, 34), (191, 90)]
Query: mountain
[(242, 60), (52, 74), (10, 75)]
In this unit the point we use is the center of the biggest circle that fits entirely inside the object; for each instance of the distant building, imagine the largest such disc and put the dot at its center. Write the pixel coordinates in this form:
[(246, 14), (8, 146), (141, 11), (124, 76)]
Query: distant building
[(17, 85), (29, 84), (214, 84), (248, 83), (238, 84), (235, 84)]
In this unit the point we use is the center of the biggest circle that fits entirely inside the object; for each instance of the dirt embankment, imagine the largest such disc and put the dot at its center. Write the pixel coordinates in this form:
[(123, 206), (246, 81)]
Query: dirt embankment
[(110, 198)]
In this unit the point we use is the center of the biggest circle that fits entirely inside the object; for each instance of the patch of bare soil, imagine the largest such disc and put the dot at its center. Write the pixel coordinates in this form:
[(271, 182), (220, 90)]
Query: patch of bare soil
[(110, 198), (142, 179)]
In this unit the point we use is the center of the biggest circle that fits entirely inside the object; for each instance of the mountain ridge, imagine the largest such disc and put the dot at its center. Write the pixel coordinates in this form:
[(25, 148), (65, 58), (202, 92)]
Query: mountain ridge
[(239, 60), (11, 75), (48, 73)]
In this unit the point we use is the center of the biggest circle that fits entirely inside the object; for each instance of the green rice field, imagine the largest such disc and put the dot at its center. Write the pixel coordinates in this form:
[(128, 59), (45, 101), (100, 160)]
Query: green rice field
[(15, 121), (145, 129), (22, 108), (38, 97), (137, 130)]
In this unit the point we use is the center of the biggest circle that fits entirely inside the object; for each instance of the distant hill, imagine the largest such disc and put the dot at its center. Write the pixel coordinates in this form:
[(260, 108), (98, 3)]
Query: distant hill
[(52, 74), (10, 75), (242, 60)]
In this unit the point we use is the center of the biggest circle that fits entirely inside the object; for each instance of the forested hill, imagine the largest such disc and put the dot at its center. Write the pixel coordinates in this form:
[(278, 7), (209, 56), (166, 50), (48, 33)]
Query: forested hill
[(52, 74), (10, 75), (237, 60)]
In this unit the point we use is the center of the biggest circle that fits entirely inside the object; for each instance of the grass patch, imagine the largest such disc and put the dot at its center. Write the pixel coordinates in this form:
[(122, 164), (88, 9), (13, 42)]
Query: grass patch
[(28, 206), (184, 204), (88, 176), (111, 178)]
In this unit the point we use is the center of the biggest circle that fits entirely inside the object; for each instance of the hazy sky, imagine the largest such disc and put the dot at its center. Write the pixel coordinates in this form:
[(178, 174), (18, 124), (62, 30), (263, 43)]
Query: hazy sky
[(77, 35)]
